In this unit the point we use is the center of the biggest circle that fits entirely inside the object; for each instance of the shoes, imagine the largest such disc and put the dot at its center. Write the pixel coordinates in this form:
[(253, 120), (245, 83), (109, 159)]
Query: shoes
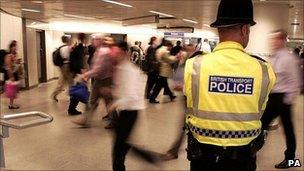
[(74, 112), (107, 117), (13, 107), (111, 125), (282, 165), (153, 101), (82, 121), (169, 156), (172, 98)]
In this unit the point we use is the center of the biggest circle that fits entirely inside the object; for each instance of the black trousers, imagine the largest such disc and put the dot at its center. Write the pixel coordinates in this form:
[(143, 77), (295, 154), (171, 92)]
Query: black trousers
[(162, 82), (215, 158), (125, 123), (276, 107), (73, 104), (151, 81)]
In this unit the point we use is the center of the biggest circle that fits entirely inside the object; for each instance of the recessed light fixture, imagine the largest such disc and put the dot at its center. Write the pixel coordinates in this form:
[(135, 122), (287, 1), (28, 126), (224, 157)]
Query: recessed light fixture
[(80, 17), (190, 21), (206, 25), (118, 3), (30, 10), (160, 13), (37, 2)]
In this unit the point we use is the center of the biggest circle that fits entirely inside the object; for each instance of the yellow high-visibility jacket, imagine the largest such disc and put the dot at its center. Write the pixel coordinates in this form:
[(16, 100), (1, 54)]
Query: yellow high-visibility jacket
[(227, 91)]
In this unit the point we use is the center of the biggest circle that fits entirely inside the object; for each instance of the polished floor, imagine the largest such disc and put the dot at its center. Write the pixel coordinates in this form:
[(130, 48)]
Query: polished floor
[(61, 145)]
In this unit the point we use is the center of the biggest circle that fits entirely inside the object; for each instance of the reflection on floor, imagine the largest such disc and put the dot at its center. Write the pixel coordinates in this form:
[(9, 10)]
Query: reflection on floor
[(63, 146)]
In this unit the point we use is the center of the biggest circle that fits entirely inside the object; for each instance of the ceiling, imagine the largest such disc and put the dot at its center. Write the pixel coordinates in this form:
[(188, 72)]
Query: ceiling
[(201, 11)]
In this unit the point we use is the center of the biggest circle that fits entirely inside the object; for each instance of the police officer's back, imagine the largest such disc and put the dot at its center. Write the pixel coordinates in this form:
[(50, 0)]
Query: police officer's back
[(226, 93)]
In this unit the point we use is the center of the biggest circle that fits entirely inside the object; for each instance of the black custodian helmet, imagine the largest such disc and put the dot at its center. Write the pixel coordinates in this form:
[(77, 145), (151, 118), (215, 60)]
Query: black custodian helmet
[(231, 12)]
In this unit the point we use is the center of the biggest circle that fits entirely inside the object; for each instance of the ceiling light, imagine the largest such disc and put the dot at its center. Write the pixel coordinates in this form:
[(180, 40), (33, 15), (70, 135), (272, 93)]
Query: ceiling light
[(37, 2), (160, 13), (118, 3), (206, 25), (190, 21), (33, 23), (263, 0), (80, 17), (30, 10)]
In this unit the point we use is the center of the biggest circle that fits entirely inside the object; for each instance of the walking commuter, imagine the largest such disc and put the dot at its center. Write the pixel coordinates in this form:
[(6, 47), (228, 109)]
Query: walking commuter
[(225, 99), (10, 72), (136, 53), (176, 49), (129, 100), (76, 65), (205, 48), (102, 72), (284, 94), (65, 77), (151, 66), (165, 71)]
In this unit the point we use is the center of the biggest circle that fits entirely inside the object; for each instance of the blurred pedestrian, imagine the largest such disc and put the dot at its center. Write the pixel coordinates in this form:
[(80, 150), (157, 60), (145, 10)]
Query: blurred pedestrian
[(102, 72), (76, 65), (129, 100), (176, 49), (11, 71), (284, 94), (165, 71), (65, 77), (151, 66), (205, 48)]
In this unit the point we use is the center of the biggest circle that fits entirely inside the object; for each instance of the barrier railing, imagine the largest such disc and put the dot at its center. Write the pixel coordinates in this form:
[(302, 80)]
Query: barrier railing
[(6, 123)]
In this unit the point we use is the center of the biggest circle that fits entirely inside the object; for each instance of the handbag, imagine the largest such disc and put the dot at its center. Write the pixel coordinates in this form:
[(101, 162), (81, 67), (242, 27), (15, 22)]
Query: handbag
[(11, 89), (80, 92)]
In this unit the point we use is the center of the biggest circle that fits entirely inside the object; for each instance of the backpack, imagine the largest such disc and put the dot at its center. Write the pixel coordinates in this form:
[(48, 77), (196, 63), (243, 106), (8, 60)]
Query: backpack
[(57, 58)]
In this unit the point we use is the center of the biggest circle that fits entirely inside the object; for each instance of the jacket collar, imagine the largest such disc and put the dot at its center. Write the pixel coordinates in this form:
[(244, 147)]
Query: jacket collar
[(229, 45)]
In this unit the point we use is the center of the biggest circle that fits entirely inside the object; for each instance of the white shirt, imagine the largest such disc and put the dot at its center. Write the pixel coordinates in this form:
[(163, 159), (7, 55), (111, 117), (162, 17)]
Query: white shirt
[(287, 70), (129, 87), (205, 48), (65, 52)]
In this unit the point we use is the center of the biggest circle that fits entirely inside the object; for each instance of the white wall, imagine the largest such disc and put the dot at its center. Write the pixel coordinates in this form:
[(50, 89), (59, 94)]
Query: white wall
[(11, 29), (52, 41), (269, 17)]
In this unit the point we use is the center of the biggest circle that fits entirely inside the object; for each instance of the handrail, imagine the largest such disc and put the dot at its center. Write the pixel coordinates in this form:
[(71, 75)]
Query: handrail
[(45, 118)]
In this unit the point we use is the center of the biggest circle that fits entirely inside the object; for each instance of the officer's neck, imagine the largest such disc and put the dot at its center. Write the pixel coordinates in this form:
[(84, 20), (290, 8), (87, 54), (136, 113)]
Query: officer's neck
[(234, 37)]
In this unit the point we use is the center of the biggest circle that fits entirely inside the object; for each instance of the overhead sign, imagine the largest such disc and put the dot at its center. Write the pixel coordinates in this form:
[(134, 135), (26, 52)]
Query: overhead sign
[(174, 34)]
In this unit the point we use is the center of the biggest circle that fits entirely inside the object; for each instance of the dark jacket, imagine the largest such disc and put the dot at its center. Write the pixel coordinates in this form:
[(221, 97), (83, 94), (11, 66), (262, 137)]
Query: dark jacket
[(77, 58)]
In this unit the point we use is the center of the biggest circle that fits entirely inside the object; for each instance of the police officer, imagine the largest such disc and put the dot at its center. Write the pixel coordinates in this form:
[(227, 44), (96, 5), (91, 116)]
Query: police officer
[(226, 93)]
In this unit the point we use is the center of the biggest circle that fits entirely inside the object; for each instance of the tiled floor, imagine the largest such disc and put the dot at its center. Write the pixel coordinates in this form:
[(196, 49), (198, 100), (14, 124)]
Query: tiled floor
[(62, 146)]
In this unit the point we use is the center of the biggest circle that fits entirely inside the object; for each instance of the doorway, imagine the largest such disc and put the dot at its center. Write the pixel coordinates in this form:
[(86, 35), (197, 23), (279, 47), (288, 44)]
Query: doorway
[(41, 57)]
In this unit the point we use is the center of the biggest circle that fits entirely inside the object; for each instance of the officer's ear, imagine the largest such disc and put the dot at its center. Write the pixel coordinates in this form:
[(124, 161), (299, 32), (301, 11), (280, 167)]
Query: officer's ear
[(245, 30)]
